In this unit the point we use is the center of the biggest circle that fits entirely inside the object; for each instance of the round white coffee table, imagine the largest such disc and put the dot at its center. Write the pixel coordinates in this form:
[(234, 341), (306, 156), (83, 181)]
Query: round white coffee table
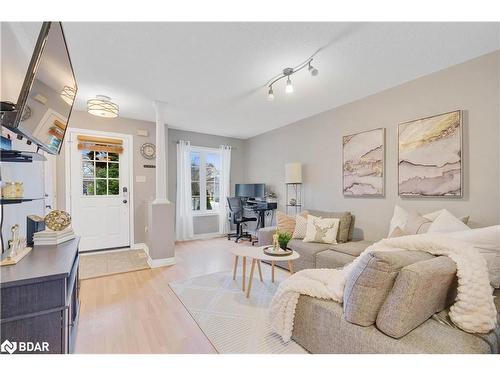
[(257, 255)]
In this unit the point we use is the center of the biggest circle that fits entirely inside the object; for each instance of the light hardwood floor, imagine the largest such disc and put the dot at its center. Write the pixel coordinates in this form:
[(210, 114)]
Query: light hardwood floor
[(137, 312)]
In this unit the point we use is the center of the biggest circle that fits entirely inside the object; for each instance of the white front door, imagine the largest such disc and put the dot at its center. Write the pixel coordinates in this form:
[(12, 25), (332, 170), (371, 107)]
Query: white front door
[(100, 206), (50, 178)]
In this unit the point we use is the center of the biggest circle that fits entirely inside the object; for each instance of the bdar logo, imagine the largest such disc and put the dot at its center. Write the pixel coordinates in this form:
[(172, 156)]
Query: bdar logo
[(9, 347)]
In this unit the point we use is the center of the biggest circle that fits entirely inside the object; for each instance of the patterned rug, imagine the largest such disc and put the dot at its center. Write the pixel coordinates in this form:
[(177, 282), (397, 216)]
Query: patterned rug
[(112, 262), (232, 322)]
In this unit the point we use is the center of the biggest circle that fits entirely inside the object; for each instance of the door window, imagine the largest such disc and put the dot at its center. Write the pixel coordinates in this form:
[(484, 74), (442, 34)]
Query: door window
[(100, 173)]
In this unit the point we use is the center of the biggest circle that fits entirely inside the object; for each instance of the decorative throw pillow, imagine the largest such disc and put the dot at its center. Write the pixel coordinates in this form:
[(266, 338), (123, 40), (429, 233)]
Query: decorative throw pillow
[(433, 216), (285, 223), (401, 215), (397, 232), (345, 218), (300, 227), (416, 224), (399, 218), (322, 230), (446, 223)]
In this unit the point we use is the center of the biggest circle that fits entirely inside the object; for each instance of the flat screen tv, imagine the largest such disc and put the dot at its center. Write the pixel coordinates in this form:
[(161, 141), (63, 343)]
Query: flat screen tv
[(45, 102), (250, 190)]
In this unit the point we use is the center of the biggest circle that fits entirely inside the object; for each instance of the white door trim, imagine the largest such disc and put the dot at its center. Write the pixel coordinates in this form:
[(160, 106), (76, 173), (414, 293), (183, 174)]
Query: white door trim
[(67, 170)]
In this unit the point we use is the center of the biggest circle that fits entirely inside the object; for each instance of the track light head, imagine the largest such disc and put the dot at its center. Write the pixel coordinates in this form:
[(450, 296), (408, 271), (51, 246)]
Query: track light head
[(314, 72), (289, 86), (270, 94)]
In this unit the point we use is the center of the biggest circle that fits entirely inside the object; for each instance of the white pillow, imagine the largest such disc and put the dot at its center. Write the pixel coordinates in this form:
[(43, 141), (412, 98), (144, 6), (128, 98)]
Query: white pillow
[(487, 242), (446, 223), (399, 218), (323, 230), (433, 216), (300, 227), (401, 215)]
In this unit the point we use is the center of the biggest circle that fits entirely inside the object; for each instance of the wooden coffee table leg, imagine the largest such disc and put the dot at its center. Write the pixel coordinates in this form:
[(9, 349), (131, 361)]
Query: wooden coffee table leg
[(235, 266), (250, 278), (260, 271), (290, 266), (272, 271), (244, 273)]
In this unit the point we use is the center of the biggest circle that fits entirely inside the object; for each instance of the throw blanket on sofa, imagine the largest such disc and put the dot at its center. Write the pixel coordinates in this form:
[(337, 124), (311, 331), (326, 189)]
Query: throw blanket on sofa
[(473, 311)]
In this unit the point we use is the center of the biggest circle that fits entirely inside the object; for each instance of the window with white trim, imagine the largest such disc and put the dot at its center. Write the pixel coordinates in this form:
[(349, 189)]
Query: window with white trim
[(205, 180)]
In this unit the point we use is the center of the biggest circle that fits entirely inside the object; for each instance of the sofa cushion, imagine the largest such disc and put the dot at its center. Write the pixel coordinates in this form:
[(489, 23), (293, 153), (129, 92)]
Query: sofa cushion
[(353, 248), (332, 259), (446, 223), (300, 227), (344, 225), (285, 223), (351, 228), (371, 281), (307, 251), (420, 290), (265, 235), (416, 224)]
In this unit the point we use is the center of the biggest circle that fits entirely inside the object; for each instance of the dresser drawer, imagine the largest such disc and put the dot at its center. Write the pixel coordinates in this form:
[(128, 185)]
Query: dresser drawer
[(29, 298), (46, 328)]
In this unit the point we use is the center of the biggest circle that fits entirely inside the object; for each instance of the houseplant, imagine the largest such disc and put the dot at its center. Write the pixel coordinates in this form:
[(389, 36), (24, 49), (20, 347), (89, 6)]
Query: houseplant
[(283, 239)]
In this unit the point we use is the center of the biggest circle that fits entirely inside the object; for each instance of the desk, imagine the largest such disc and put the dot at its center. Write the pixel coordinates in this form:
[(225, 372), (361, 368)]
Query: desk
[(261, 208)]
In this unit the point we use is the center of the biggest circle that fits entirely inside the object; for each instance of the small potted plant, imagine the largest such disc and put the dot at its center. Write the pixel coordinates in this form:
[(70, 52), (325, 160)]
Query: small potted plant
[(271, 196), (283, 239)]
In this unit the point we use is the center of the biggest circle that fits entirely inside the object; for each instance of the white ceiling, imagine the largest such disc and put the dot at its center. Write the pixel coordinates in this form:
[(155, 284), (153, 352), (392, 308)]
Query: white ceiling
[(212, 75)]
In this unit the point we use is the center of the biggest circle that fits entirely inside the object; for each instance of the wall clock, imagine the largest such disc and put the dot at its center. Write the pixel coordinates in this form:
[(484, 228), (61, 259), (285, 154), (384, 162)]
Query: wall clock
[(148, 150)]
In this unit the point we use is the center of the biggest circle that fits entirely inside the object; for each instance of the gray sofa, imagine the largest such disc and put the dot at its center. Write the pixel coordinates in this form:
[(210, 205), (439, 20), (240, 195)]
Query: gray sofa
[(319, 255), (394, 302)]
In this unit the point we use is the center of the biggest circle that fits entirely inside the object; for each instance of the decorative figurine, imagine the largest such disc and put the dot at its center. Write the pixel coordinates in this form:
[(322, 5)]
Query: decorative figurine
[(57, 220), (14, 241)]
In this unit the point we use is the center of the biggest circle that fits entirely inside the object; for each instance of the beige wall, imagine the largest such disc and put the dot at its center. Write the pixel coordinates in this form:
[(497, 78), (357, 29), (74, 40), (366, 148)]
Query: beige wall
[(316, 142), (145, 191)]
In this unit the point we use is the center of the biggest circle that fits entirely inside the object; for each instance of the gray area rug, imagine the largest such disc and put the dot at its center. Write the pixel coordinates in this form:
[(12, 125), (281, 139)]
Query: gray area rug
[(112, 262), (232, 322)]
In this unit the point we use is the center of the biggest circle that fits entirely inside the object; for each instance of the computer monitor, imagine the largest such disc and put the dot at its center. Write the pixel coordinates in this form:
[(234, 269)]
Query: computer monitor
[(250, 190)]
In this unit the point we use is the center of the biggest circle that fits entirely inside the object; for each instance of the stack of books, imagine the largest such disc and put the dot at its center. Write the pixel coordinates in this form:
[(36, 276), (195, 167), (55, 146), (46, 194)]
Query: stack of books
[(51, 237)]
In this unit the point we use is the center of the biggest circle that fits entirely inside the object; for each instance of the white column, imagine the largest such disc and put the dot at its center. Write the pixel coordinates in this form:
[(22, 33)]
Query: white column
[(161, 153)]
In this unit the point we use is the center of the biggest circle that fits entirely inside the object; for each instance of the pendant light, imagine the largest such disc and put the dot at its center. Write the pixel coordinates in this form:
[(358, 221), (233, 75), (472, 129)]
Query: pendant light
[(102, 106)]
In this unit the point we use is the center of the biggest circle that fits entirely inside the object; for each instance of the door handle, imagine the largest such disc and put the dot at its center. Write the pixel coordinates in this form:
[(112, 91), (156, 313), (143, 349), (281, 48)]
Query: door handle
[(125, 201)]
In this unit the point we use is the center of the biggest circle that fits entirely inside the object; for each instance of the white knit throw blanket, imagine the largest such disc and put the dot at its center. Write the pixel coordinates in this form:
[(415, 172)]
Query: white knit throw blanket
[(473, 311)]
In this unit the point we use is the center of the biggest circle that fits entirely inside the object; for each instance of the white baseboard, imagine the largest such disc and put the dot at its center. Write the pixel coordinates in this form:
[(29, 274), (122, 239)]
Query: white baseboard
[(155, 263), (139, 246)]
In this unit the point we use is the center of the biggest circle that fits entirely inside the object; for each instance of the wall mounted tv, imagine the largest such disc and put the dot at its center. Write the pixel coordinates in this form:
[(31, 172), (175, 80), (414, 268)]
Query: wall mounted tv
[(45, 102)]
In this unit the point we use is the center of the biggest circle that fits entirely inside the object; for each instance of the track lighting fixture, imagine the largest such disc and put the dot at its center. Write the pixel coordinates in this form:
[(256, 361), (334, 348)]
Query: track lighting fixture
[(287, 72)]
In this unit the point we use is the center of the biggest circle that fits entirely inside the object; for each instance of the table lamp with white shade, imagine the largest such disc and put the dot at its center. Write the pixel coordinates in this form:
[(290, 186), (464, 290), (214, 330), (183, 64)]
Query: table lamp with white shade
[(293, 181)]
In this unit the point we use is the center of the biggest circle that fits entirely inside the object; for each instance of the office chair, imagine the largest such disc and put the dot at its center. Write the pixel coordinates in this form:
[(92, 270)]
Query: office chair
[(236, 217)]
